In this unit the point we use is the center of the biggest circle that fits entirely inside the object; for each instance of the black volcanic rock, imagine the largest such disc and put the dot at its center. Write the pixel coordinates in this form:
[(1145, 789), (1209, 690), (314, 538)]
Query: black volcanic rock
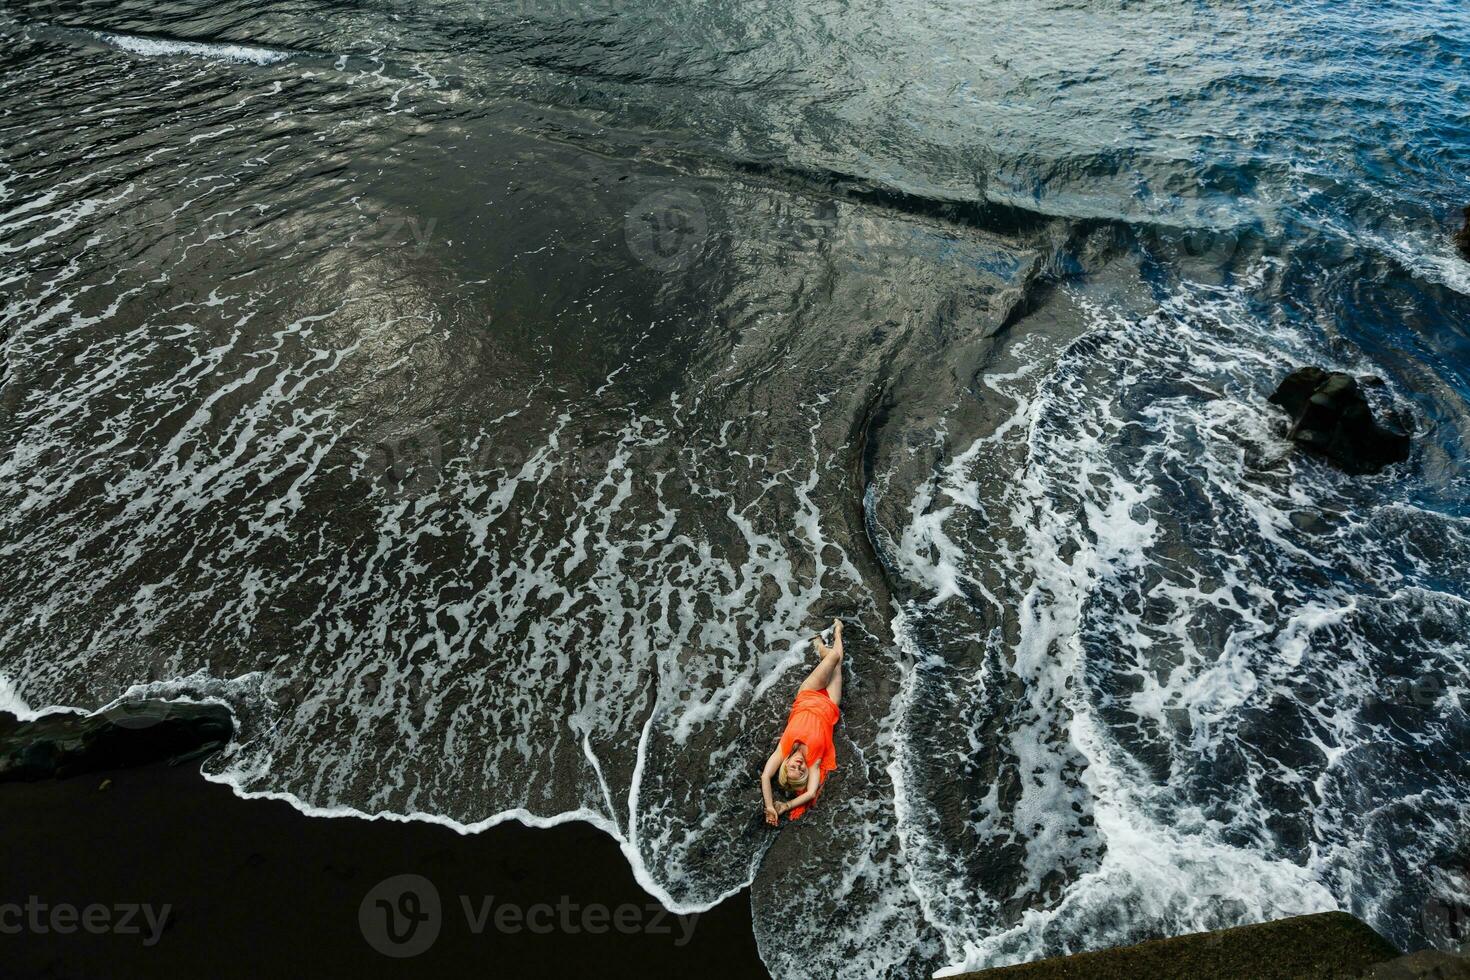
[(1324, 946), (1462, 238), (65, 744), (1428, 964), (1330, 415)]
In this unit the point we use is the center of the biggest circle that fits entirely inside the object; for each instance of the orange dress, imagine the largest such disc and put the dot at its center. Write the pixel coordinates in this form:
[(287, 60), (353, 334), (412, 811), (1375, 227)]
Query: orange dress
[(810, 723)]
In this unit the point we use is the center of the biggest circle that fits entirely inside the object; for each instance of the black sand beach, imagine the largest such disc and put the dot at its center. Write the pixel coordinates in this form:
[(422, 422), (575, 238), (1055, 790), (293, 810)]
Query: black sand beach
[(255, 888), (479, 405)]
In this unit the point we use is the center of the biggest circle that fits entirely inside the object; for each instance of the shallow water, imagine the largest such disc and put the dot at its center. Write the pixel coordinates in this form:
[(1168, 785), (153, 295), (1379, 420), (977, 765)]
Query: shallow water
[(488, 401)]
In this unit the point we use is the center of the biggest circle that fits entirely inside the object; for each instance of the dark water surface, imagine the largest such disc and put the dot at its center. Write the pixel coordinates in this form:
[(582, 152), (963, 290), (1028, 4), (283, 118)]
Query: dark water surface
[(488, 400)]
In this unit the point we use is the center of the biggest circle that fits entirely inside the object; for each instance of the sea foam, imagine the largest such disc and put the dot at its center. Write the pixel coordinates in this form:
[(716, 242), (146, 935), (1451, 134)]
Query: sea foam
[(157, 47)]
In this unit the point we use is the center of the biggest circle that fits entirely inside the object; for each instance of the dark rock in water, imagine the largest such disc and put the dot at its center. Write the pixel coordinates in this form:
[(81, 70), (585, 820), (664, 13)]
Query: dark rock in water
[(1462, 238), (1331, 416), (65, 744)]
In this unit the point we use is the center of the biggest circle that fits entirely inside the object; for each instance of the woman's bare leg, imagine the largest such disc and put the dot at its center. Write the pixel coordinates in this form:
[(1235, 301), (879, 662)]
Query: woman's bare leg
[(834, 686), (828, 673)]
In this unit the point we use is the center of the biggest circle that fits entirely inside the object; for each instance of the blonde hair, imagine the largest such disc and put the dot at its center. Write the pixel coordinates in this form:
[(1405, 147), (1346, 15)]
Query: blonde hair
[(794, 788)]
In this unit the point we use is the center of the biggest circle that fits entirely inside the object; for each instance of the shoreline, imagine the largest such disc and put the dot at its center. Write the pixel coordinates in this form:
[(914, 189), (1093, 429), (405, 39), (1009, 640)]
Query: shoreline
[(245, 884), (128, 719)]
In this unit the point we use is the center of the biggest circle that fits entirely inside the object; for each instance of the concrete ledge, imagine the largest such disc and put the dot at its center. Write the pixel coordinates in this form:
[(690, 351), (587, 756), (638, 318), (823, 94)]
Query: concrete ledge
[(1326, 946)]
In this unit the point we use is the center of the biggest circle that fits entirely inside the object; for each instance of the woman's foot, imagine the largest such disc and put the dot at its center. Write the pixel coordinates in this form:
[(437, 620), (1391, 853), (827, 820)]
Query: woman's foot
[(823, 650)]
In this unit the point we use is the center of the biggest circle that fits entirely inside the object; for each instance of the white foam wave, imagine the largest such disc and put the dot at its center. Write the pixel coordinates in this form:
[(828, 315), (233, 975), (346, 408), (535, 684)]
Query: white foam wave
[(641, 872), (11, 701), (1431, 261), (156, 47), (1167, 637)]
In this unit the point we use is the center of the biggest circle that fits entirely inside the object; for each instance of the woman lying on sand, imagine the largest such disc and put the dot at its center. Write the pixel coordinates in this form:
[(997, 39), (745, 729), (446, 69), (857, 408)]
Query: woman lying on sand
[(806, 753)]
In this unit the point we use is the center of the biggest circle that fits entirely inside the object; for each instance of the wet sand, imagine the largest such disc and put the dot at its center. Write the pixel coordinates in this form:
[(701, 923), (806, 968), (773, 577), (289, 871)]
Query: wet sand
[(255, 888)]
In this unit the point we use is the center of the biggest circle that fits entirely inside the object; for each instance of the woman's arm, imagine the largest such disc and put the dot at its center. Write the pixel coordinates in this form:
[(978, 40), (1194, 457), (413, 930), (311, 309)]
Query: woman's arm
[(813, 785), (772, 764)]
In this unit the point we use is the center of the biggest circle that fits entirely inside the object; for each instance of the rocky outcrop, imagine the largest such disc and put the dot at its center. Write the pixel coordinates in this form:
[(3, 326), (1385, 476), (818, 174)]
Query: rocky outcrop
[(1427, 964), (1330, 415), (1326, 946), (65, 744), (1462, 238)]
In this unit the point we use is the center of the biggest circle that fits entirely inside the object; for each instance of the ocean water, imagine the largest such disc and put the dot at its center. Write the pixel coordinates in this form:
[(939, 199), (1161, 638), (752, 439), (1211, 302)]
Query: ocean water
[(488, 401)]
